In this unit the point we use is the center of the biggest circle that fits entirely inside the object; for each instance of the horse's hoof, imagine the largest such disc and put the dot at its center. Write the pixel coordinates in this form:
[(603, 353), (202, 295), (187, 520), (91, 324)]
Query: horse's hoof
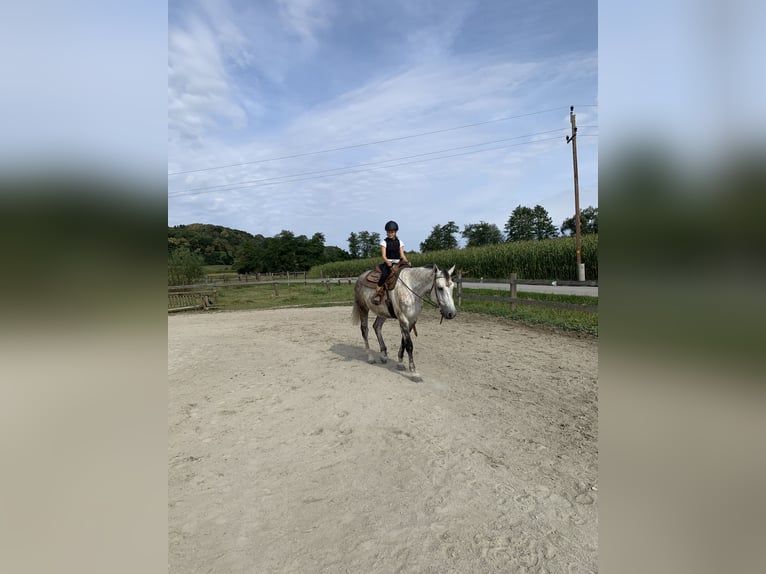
[(384, 360), (415, 378), (400, 366), (371, 360)]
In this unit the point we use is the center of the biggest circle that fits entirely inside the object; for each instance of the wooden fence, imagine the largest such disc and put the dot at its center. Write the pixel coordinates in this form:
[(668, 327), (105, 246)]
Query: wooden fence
[(513, 300), (245, 278), (289, 278), (181, 299), (204, 296)]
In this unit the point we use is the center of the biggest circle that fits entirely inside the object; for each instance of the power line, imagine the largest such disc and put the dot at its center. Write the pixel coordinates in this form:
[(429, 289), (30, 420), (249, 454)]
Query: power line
[(245, 183), (264, 184), (371, 143)]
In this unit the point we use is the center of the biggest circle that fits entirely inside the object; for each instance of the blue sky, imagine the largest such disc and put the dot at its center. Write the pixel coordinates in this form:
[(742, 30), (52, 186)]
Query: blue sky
[(251, 84)]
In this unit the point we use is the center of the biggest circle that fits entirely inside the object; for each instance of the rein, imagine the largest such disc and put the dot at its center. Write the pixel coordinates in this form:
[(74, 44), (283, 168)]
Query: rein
[(433, 288)]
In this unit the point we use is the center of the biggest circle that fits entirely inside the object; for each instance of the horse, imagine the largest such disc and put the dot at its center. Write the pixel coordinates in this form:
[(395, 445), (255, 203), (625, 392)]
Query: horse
[(404, 303)]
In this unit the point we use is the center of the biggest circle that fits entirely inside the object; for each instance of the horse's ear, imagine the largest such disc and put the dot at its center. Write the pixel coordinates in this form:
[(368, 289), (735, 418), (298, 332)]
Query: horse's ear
[(451, 269), (436, 269)]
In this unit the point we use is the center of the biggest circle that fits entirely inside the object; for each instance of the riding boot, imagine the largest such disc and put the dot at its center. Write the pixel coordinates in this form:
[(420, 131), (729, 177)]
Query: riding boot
[(378, 297)]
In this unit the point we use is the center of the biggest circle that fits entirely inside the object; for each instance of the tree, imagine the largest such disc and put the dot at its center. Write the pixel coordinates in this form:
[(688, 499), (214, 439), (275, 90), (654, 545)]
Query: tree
[(482, 233), (442, 237), (281, 252), (353, 245), (251, 256), (543, 224), (315, 251), (520, 226), (527, 223), (248, 258), (368, 244), (184, 267), (588, 222), (333, 253)]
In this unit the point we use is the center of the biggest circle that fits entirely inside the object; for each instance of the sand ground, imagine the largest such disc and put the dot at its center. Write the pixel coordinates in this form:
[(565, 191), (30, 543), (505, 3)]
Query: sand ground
[(289, 453)]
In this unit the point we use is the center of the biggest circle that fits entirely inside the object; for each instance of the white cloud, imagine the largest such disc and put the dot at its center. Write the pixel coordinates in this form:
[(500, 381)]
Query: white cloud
[(305, 18), (200, 95), (397, 98), (444, 23)]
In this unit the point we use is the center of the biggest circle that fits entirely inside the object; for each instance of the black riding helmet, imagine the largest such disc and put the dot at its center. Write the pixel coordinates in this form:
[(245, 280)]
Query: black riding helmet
[(392, 226)]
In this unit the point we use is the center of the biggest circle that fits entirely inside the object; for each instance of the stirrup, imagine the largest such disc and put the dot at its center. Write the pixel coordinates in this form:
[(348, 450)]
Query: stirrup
[(377, 299)]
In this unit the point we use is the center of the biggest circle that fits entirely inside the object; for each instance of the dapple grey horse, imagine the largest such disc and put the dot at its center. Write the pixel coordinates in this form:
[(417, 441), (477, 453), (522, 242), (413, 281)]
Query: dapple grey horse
[(406, 302)]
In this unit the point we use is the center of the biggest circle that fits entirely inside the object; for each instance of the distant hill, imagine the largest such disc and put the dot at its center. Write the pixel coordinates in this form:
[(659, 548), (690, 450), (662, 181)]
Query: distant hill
[(217, 244)]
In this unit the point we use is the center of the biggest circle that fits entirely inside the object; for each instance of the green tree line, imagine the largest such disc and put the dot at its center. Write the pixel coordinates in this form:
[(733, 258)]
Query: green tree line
[(524, 224), (194, 245), (204, 244), (216, 244), (285, 252)]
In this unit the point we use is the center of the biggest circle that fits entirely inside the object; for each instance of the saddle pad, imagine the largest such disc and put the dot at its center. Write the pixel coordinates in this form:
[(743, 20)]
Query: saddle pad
[(371, 278)]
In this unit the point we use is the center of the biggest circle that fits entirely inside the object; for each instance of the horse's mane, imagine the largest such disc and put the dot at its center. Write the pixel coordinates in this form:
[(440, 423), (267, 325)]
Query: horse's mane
[(431, 266)]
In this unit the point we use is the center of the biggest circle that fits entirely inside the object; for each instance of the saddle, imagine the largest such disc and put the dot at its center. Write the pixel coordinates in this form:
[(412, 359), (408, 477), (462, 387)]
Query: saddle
[(371, 278)]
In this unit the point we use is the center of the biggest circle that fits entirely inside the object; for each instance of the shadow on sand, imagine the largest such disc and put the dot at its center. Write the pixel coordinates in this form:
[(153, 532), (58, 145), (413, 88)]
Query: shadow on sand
[(352, 353)]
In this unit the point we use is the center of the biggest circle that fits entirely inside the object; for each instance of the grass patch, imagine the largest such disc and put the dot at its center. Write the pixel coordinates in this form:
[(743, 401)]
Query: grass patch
[(576, 321), (263, 296), (212, 269)]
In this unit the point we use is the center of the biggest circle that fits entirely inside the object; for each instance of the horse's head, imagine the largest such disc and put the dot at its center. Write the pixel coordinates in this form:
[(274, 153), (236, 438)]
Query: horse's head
[(443, 286)]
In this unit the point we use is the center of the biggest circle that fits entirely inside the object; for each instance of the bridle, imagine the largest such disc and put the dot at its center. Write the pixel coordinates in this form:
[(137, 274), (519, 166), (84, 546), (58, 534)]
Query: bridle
[(433, 288)]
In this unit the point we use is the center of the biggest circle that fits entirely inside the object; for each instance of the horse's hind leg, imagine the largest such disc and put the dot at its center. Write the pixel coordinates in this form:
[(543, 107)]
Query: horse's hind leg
[(377, 326), (363, 319)]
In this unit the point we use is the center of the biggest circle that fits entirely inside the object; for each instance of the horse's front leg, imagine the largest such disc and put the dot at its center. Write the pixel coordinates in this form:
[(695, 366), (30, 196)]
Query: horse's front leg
[(377, 326), (406, 345)]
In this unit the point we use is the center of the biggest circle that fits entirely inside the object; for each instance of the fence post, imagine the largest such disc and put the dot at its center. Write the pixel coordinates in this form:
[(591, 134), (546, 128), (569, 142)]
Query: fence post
[(459, 287), (327, 285), (513, 292), (276, 289)]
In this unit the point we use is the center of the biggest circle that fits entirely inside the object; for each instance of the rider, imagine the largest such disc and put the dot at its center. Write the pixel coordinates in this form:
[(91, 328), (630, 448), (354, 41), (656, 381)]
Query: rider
[(392, 251)]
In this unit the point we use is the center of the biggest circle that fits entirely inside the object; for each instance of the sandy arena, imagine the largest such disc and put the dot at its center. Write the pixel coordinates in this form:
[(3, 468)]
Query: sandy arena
[(289, 453)]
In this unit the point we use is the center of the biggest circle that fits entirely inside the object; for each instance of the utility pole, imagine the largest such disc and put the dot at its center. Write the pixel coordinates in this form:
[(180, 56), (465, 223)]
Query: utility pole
[(578, 242)]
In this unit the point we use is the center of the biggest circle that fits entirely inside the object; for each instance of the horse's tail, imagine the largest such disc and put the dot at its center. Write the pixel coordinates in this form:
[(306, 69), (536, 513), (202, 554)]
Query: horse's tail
[(355, 318), (356, 309)]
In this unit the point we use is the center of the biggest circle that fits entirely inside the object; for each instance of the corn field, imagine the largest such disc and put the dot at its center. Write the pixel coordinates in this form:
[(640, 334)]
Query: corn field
[(551, 259)]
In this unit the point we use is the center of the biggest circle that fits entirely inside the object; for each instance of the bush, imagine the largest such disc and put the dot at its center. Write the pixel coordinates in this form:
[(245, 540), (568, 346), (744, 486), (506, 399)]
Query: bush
[(184, 267)]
